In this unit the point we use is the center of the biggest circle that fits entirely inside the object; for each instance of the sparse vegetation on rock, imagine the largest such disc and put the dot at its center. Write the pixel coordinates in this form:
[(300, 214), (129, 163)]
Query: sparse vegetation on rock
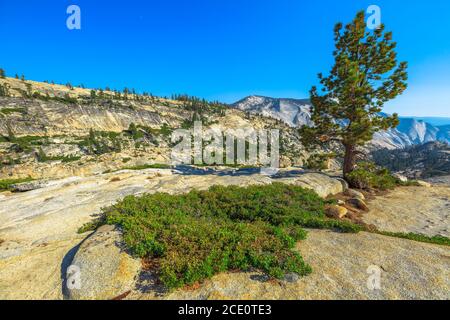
[(8, 183), (368, 176), (199, 234)]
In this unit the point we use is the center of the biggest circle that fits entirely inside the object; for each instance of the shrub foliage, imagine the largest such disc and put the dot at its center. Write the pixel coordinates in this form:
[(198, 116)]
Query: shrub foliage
[(196, 235), (368, 176), (6, 184)]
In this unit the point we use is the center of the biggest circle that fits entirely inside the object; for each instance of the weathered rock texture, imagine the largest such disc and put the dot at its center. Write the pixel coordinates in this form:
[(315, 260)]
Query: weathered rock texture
[(66, 116), (412, 209), (340, 262), (106, 270), (39, 228)]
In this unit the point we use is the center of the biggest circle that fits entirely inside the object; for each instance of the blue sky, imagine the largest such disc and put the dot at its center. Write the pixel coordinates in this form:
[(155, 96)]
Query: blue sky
[(218, 49)]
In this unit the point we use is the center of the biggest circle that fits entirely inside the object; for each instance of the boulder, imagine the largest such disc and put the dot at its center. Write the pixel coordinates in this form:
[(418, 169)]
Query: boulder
[(322, 184), (344, 183), (355, 194), (105, 269), (400, 177), (285, 162), (337, 212), (291, 277), (28, 186), (358, 203)]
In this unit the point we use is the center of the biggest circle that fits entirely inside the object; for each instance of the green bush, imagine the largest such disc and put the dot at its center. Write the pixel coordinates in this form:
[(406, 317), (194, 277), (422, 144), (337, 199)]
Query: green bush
[(42, 157), (8, 111), (25, 143), (368, 176), (196, 235), (6, 184), (101, 142), (148, 166), (409, 183)]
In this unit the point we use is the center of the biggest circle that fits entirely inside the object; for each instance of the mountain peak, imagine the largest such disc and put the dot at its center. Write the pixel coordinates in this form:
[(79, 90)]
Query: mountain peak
[(296, 113)]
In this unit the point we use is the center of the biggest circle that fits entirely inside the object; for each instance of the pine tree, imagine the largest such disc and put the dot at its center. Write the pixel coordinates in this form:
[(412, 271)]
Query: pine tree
[(2, 73), (364, 77), (134, 131), (4, 90)]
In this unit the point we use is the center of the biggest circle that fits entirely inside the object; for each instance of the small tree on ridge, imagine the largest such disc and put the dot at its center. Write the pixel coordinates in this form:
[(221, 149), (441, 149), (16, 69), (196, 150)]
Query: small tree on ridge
[(364, 77)]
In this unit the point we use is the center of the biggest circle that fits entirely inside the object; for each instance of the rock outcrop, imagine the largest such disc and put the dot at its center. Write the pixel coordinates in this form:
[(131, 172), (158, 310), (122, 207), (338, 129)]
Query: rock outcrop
[(28, 186), (105, 269), (39, 239), (412, 209), (39, 228), (358, 203), (342, 268), (336, 212), (322, 184), (355, 194)]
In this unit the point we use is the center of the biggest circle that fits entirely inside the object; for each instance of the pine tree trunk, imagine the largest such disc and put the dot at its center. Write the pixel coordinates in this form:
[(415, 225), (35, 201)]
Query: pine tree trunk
[(349, 160)]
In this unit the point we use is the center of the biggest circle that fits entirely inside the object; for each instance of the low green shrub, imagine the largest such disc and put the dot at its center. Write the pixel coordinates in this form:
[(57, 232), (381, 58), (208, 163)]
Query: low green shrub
[(42, 157), (368, 176), (25, 143), (196, 235), (409, 183), (8, 111), (440, 240), (6, 184), (101, 142), (148, 166)]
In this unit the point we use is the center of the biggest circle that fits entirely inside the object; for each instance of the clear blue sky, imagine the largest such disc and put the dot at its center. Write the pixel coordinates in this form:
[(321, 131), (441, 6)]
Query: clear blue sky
[(218, 49)]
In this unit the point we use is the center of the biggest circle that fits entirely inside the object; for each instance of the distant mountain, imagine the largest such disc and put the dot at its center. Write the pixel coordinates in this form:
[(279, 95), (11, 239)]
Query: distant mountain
[(419, 161), (444, 133), (296, 113), (435, 121)]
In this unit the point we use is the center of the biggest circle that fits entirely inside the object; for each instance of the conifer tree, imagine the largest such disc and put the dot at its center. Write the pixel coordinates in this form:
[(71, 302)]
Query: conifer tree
[(366, 74)]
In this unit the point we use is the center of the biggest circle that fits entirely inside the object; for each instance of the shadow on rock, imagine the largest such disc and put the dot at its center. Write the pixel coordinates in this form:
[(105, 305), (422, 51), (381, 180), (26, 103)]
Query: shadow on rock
[(148, 282)]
